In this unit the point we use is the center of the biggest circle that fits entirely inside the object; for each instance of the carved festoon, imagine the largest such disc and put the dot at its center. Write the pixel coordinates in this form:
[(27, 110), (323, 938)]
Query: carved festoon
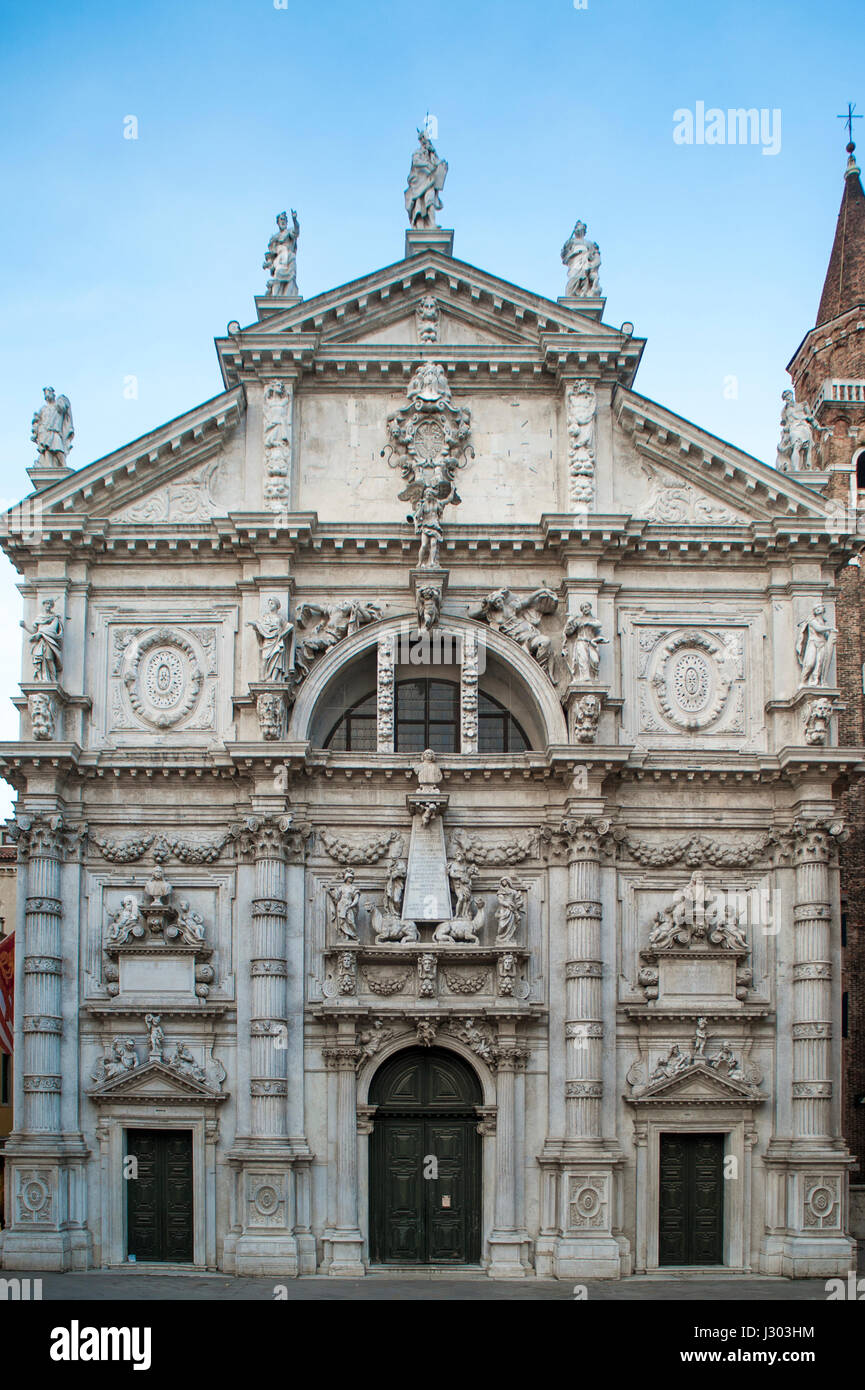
[(581, 405)]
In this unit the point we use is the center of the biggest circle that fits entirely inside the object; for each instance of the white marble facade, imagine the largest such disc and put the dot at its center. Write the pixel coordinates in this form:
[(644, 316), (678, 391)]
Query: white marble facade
[(192, 851)]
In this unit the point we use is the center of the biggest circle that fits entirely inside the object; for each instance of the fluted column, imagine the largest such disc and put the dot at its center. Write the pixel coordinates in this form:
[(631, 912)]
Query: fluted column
[(43, 969), (269, 971), (812, 985), (344, 1239), (584, 1029)]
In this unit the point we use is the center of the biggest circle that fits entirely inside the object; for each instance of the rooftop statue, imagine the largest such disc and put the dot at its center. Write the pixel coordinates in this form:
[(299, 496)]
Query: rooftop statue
[(52, 430), (801, 437), (425, 182), (583, 261), (280, 258)]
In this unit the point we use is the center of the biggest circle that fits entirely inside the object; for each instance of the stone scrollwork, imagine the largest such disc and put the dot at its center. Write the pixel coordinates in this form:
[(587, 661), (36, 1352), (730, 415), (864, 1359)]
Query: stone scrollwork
[(277, 411), (385, 690)]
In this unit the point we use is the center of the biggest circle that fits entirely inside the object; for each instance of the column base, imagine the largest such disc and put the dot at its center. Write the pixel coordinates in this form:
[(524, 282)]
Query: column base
[(343, 1255), (579, 1258), (45, 1182), (267, 1255), (510, 1253), (807, 1257)]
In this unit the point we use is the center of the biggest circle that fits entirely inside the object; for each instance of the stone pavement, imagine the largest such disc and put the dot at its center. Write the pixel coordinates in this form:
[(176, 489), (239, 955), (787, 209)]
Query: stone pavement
[(137, 1286)]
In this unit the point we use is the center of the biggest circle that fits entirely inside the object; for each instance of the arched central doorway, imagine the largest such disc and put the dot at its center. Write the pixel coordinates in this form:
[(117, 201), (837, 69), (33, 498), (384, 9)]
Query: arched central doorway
[(425, 1161)]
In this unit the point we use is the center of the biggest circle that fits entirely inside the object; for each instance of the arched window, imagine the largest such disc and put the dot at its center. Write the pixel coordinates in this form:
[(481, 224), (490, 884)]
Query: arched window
[(427, 715), (860, 476)]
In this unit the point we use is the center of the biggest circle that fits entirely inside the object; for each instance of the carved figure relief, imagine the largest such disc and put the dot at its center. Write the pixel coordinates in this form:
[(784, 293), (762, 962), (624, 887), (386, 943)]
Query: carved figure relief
[(817, 718), (583, 659), (344, 901), (273, 631), (322, 625), (46, 643), (581, 404), (510, 909), (520, 619), (698, 914), (427, 317), (277, 412), (815, 643), (428, 437), (40, 707)]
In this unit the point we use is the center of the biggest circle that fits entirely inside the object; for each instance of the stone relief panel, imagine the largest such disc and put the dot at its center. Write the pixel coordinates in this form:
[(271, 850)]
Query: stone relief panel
[(209, 490), (198, 910), (746, 900), (694, 680), (162, 679)]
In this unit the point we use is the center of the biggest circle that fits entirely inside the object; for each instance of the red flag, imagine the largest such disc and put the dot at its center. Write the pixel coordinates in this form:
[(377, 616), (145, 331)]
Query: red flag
[(7, 989)]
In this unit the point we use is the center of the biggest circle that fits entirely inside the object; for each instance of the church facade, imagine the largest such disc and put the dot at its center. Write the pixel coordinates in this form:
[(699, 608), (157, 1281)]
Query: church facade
[(428, 808)]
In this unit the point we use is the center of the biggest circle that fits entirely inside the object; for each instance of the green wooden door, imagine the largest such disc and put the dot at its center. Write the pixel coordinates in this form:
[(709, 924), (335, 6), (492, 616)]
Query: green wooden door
[(425, 1161), (159, 1195), (691, 1200)]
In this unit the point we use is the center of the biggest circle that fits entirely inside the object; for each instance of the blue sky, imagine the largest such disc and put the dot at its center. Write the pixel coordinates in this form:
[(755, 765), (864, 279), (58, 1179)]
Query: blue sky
[(126, 257)]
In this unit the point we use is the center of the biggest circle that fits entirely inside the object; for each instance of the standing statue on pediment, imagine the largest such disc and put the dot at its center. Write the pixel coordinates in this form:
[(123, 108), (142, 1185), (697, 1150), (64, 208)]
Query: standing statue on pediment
[(52, 431), (801, 435), (583, 261), (273, 631), (280, 258), (585, 659), (425, 182), (46, 643), (815, 642)]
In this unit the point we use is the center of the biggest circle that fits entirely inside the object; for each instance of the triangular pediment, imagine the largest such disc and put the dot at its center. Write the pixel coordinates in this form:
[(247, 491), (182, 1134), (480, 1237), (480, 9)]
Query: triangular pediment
[(677, 474), (155, 1081), (173, 474), (698, 1083), (377, 312)]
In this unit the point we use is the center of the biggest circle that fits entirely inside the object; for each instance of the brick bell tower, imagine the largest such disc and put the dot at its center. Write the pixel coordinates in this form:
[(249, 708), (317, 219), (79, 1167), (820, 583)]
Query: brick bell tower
[(828, 371)]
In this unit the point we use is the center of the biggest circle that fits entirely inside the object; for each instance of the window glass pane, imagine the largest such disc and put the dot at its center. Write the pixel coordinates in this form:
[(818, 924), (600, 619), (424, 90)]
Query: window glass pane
[(487, 706), (516, 741), (443, 700), (337, 738), (410, 738), (410, 699), (491, 734), (363, 735), (442, 738), (366, 707)]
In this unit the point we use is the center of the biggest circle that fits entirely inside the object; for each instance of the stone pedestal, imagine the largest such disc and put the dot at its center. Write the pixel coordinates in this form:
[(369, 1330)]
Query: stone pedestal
[(439, 239)]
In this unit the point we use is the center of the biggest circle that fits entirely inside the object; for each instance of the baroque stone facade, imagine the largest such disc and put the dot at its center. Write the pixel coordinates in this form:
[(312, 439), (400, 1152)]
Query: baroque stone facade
[(603, 910)]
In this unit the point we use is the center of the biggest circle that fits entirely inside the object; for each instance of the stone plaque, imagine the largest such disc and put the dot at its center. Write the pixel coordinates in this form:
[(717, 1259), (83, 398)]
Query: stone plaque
[(157, 975), (427, 895), (690, 982)]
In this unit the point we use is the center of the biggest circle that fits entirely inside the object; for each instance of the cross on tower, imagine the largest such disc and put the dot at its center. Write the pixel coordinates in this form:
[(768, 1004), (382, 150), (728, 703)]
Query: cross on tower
[(849, 118)]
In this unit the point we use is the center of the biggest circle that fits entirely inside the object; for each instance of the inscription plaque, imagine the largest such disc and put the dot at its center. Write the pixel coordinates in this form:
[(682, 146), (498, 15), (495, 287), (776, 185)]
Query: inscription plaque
[(427, 895)]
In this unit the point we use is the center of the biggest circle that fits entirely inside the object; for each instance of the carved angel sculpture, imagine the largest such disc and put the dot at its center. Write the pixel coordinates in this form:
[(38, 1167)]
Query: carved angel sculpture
[(520, 618), (325, 624), (126, 921)]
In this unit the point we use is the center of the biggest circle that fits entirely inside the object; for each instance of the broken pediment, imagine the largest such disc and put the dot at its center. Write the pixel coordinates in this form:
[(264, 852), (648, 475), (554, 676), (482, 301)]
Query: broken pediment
[(155, 1081), (698, 1083)]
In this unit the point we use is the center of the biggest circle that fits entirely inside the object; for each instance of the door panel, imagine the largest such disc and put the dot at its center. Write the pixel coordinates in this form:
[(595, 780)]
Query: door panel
[(691, 1200), (418, 1219), (160, 1198)]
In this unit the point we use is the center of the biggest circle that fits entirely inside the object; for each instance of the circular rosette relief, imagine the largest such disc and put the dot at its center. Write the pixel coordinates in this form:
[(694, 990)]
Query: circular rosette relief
[(691, 677), (163, 677)]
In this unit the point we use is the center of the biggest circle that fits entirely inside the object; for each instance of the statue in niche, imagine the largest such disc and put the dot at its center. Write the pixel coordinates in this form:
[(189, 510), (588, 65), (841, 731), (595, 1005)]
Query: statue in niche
[(280, 258), (461, 873), (583, 262), (800, 428), (52, 431), (273, 631), (521, 619), (585, 659), (427, 518), (153, 1024), (46, 643), (345, 900), (325, 624), (815, 642), (126, 921), (425, 182), (510, 909)]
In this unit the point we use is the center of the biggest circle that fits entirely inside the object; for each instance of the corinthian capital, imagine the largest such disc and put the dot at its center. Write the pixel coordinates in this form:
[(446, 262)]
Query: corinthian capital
[(45, 835), (264, 837), (583, 836)]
